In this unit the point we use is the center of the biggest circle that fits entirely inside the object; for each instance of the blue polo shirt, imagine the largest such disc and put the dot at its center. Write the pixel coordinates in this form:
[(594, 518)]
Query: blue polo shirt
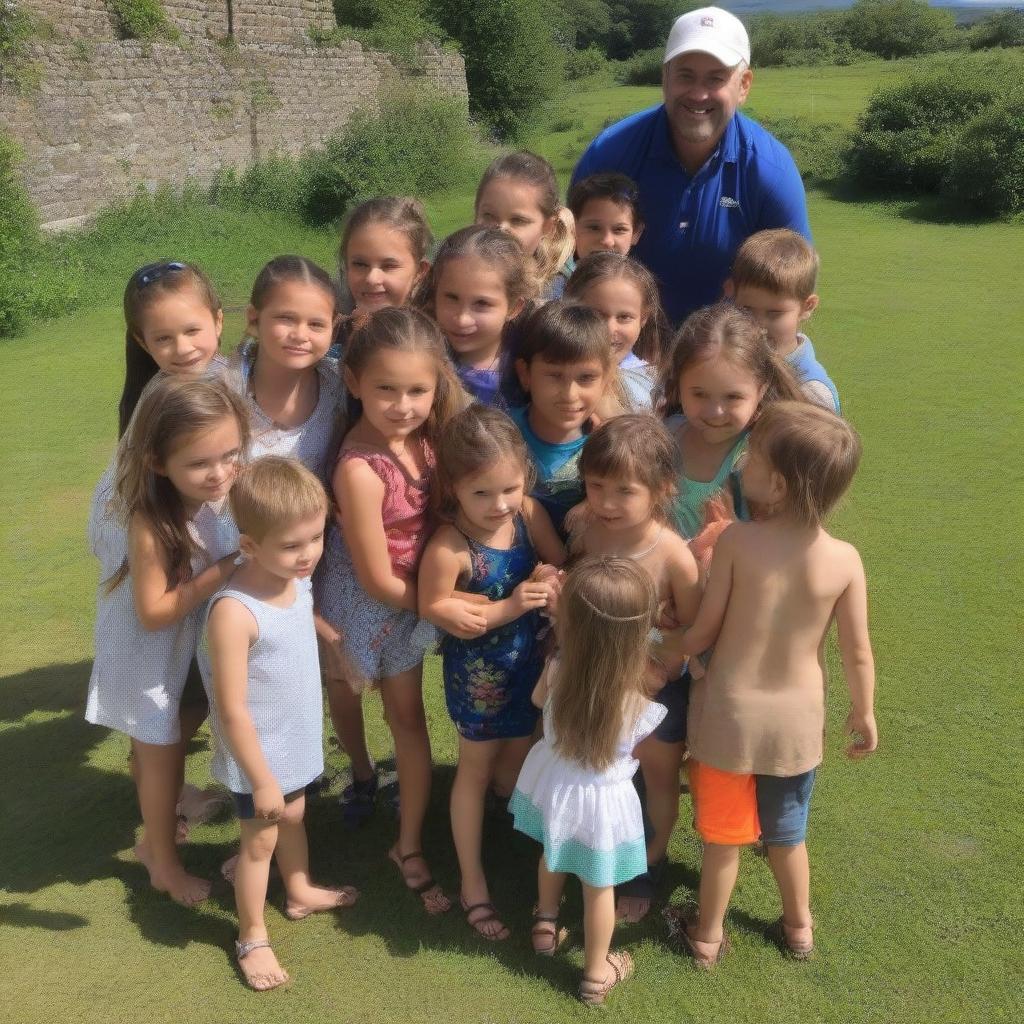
[(694, 225)]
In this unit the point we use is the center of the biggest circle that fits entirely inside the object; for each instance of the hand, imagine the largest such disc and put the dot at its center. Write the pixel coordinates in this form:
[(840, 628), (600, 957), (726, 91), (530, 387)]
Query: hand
[(461, 619), (529, 595), (268, 801), (861, 725)]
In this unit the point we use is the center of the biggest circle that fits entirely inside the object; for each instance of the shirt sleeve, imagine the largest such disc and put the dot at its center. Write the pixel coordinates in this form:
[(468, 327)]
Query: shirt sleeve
[(783, 199), (587, 163)]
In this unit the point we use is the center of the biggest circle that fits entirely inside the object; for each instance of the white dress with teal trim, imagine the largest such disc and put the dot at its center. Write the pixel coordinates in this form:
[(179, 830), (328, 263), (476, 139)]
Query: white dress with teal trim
[(589, 822)]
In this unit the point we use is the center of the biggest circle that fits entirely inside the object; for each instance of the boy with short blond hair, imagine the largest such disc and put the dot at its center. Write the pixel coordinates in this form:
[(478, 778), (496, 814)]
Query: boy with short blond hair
[(774, 277)]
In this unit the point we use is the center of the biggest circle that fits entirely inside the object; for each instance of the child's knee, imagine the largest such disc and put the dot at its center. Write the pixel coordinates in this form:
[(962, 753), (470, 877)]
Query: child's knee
[(406, 717), (259, 842)]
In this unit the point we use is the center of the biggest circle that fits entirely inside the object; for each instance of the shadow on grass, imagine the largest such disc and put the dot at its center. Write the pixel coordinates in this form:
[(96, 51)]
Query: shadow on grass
[(913, 207), (21, 915)]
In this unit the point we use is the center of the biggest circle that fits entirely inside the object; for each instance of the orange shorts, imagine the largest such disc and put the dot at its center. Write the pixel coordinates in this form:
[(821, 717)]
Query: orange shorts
[(724, 805)]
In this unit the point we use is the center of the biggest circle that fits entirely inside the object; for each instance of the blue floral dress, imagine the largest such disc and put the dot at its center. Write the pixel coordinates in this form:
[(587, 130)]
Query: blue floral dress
[(488, 681)]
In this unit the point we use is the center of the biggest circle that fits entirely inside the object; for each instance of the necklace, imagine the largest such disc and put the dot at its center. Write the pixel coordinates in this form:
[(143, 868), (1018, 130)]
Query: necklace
[(637, 555)]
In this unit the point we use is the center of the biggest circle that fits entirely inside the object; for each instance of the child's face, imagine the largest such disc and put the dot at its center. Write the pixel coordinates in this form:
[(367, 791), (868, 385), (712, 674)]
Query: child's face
[(396, 389), (203, 466), (380, 268), (563, 396), (619, 301), (514, 206), (472, 307), (719, 398), (294, 325), (492, 497), (181, 333), (619, 503), (290, 552), (762, 484), (605, 226), (779, 315)]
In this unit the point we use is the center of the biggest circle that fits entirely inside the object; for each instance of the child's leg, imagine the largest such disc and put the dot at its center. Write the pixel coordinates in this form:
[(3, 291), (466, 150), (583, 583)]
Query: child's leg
[(159, 771), (718, 870), (550, 885), (510, 760), (472, 776), (292, 852), (792, 872), (346, 709), (598, 926), (403, 709), (259, 837)]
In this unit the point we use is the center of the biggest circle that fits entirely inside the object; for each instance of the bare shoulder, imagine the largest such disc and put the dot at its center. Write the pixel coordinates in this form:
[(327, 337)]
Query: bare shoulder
[(677, 552), (843, 553), (447, 538)]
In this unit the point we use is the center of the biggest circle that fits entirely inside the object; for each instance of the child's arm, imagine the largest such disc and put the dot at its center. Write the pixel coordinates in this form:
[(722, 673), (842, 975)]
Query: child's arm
[(546, 541), (440, 568), (684, 582), (360, 496), (231, 631), (858, 661), (156, 606)]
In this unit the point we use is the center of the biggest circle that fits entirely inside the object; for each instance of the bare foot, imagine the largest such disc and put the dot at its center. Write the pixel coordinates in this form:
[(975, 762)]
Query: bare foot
[(317, 899), (197, 805), (228, 868), (417, 877), (258, 964), (631, 909), (183, 888)]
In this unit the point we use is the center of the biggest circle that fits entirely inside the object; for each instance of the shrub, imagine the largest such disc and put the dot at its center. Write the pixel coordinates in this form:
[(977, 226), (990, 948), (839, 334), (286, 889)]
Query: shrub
[(395, 27), (801, 39), (142, 19), (906, 137), (818, 147), (274, 183), (584, 63), (513, 64), (986, 164), (1002, 28), (899, 28), (642, 68)]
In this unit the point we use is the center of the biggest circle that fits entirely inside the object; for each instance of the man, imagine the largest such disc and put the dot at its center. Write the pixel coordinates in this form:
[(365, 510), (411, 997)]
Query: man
[(708, 175)]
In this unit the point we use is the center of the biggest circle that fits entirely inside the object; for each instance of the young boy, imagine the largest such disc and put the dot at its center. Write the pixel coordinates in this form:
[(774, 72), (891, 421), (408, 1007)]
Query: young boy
[(261, 671), (774, 277), (757, 718), (606, 208)]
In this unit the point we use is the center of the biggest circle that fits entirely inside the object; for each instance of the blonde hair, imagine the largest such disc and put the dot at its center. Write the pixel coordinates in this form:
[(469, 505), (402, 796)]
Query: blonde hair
[(815, 452), (472, 441), (272, 493), (555, 248), (606, 611), (725, 331), (778, 260), (171, 411)]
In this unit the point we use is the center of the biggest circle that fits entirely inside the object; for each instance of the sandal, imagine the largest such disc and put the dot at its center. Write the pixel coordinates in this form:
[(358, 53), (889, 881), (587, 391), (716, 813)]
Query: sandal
[(489, 915), (680, 921), (242, 950), (594, 993), (546, 928), (793, 941), (346, 895), (432, 895), (358, 801)]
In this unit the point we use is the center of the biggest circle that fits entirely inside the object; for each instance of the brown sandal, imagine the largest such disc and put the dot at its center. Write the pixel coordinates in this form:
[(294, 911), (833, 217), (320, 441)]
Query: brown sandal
[(680, 921), (430, 893), (594, 993), (546, 928), (490, 914), (789, 940)]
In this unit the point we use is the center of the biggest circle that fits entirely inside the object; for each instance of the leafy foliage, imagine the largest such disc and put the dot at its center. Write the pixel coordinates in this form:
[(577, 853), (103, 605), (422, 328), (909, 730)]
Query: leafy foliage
[(899, 28), (142, 19)]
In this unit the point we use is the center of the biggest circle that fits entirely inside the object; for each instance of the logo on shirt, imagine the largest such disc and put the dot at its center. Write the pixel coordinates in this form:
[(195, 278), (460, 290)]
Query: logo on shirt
[(707, 21), (729, 203)]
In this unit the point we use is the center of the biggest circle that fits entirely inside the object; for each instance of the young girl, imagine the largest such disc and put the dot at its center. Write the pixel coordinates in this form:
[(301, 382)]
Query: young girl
[(575, 793), (628, 467), (494, 545), (259, 661), (178, 456), (519, 194), (479, 283), (720, 373), (293, 392), (625, 293), (402, 390), (563, 367), (758, 716)]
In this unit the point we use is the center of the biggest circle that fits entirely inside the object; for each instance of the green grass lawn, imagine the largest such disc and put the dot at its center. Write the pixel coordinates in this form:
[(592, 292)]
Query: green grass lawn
[(916, 853)]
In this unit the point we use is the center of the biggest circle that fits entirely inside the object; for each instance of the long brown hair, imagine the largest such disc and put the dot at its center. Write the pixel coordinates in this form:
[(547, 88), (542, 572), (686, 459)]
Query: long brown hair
[(403, 330), (606, 611), (730, 332), (170, 411), (145, 287)]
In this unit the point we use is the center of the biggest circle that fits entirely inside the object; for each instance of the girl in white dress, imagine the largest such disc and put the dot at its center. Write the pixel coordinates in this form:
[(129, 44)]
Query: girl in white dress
[(575, 793)]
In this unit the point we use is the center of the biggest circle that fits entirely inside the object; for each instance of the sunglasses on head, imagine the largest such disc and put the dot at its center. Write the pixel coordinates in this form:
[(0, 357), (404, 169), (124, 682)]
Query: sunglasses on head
[(146, 275)]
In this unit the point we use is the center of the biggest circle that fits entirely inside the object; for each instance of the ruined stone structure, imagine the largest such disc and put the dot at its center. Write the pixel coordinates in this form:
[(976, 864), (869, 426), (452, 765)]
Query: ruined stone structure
[(244, 81)]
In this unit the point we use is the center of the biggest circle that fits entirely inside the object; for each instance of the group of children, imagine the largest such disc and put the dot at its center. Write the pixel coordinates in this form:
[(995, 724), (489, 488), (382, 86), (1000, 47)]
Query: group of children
[(612, 533)]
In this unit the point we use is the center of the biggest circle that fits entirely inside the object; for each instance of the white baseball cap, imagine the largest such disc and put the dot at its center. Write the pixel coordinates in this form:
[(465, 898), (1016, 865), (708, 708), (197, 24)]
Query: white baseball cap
[(709, 30)]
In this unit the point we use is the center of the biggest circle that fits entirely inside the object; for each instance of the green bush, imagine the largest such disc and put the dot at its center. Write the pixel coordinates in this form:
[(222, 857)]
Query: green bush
[(801, 39), (395, 27), (899, 28), (275, 183), (1002, 28), (513, 63), (986, 165), (584, 63), (906, 137), (642, 68), (142, 19), (818, 147)]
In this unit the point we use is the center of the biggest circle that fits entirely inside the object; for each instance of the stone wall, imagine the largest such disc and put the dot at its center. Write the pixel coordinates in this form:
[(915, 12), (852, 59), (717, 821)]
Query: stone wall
[(114, 114)]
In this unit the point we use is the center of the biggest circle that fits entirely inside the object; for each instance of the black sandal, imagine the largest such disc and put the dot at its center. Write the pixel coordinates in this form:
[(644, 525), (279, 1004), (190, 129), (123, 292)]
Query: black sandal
[(540, 930), (491, 914), (424, 889)]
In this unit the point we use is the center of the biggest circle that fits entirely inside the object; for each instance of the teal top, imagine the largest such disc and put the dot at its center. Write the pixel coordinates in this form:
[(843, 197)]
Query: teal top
[(688, 507)]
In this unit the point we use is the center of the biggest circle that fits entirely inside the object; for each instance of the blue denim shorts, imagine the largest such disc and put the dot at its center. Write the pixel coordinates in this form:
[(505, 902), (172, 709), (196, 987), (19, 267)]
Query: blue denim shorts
[(246, 809), (782, 806), (674, 696)]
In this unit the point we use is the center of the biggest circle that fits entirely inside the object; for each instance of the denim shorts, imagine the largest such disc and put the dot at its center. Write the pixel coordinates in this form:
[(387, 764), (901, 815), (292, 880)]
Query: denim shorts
[(782, 806), (674, 696), (246, 809)]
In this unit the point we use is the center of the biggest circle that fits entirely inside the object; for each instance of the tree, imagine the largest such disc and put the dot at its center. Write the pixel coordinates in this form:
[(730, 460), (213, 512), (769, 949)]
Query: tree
[(899, 28)]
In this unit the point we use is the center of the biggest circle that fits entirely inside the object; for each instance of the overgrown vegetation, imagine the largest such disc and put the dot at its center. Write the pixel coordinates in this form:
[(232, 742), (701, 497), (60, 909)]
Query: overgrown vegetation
[(143, 19), (396, 28), (17, 27)]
